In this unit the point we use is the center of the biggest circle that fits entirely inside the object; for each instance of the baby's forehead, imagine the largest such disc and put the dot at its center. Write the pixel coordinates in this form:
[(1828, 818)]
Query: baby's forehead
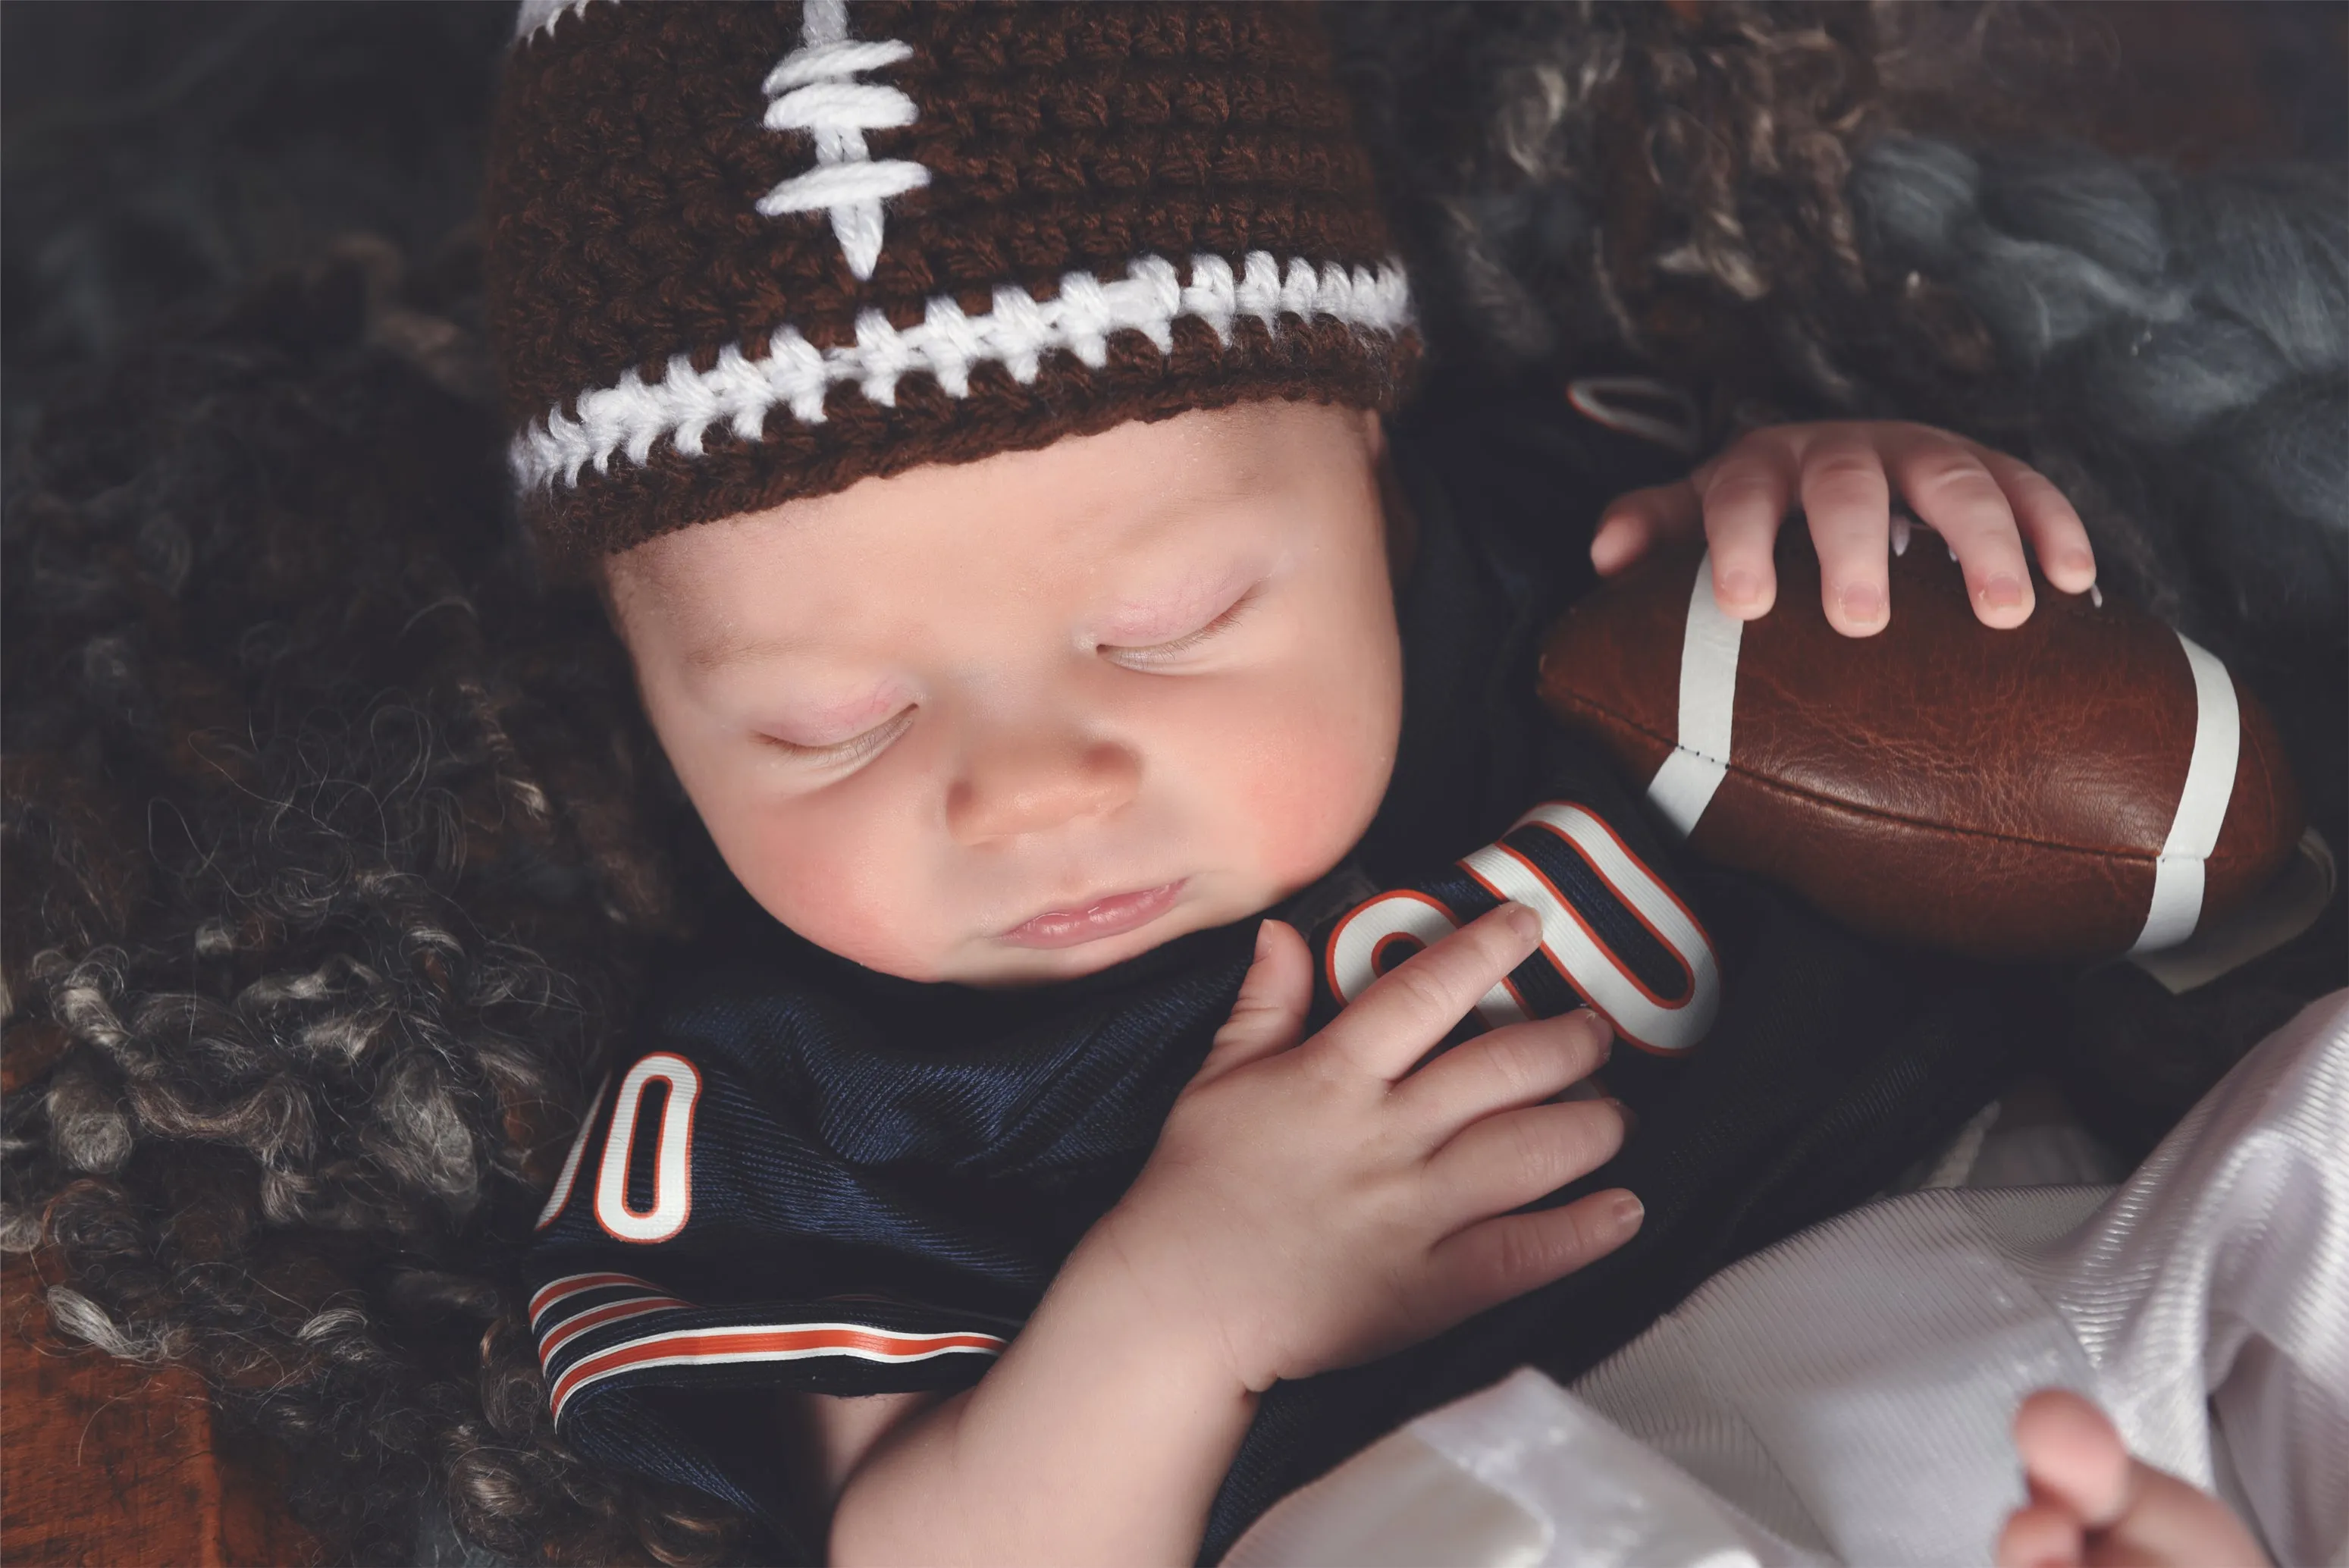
[(1124, 512), (708, 579)]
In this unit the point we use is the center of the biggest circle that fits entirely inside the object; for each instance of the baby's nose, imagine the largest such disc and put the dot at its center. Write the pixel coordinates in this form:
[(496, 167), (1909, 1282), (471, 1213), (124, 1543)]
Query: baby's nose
[(1031, 783)]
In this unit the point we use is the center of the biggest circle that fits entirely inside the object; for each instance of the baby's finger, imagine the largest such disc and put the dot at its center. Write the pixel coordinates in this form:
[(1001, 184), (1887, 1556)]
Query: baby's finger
[(1408, 1009), (1951, 488), (1850, 504), (1510, 1254), (2169, 1522), (1637, 522), (1269, 1014), (1519, 1064), (1517, 1156), (1746, 493), (2072, 1455), (2049, 521), (2041, 1535)]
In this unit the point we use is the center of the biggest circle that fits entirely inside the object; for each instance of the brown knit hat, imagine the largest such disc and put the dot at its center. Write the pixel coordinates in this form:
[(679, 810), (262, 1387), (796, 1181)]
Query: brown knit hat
[(739, 253)]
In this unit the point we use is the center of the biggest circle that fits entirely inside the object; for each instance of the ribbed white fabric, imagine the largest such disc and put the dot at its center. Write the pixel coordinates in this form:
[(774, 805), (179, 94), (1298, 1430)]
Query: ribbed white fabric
[(815, 90), (2176, 905), (630, 415), (1845, 1397), (1682, 788)]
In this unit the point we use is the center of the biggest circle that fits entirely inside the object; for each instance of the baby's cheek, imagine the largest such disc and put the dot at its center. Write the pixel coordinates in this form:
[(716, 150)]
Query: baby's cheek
[(1312, 776), (830, 882)]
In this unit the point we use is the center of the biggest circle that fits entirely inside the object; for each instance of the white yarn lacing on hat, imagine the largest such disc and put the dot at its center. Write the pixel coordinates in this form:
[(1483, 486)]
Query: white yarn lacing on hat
[(632, 415), (815, 90)]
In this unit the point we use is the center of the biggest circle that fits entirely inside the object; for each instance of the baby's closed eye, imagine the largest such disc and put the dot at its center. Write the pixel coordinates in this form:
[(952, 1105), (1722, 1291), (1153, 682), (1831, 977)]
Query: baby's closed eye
[(862, 743), (1157, 652)]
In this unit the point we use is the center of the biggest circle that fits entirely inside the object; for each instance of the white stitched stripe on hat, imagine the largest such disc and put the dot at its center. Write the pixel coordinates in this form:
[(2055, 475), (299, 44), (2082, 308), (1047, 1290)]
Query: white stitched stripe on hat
[(739, 391)]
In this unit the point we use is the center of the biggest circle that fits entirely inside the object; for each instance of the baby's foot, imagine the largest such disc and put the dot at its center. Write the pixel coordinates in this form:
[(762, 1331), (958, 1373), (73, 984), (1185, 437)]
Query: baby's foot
[(2093, 1505)]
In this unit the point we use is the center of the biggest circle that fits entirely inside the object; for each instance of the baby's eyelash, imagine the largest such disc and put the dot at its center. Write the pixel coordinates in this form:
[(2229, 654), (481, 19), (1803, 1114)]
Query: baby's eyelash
[(1222, 623), (858, 746), (854, 749)]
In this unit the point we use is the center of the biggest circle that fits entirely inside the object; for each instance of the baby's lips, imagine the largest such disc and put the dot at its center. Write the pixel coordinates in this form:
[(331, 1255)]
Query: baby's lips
[(1110, 915)]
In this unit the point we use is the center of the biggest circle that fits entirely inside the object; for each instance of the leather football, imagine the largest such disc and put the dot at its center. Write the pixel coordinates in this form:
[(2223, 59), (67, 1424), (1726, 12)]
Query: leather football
[(2085, 785)]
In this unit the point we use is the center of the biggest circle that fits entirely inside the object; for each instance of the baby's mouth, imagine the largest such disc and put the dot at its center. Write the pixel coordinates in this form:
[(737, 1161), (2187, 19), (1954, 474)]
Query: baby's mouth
[(1106, 917)]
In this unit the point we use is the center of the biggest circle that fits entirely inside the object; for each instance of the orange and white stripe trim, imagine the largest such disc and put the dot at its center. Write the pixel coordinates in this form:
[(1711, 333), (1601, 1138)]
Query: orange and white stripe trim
[(555, 1292), (788, 1342), (624, 1297)]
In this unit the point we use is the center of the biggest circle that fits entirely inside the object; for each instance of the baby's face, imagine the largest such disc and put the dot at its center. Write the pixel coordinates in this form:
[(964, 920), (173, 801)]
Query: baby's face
[(1017, 720)]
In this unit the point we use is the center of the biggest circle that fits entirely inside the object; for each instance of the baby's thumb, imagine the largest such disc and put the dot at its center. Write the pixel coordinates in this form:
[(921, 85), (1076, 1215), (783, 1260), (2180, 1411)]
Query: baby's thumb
[(1269, 1014)]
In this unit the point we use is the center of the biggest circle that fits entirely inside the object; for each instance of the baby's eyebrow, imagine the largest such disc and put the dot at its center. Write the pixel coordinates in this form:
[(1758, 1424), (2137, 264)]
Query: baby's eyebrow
[(715, 653)]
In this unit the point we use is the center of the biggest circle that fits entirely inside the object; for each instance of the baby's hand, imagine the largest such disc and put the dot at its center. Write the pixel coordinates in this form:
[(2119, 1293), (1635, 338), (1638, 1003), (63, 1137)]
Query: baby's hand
[(1983, 502), (1313, 1206)]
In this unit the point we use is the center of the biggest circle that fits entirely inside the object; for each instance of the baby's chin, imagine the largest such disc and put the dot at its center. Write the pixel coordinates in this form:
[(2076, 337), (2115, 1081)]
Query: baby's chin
[(1013, 969)]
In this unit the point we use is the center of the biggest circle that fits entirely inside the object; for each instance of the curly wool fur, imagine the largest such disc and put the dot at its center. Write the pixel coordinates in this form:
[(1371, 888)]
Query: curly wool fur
[(2196, 326), (1588, 179), (332, 849), (1732, 193)]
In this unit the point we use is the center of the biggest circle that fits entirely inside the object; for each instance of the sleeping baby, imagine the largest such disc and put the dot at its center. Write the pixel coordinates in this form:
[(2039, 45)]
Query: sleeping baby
[(1121, 734)]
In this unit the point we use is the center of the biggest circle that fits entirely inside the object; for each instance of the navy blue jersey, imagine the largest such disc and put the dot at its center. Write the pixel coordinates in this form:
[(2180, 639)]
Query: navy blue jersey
[(787, 1188), (804, 1175)]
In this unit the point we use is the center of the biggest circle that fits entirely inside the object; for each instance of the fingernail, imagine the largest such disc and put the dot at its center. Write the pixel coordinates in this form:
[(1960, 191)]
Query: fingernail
[(1740, 588), (1523, 920), (1631, 1118), (1628, 1212), (1861, 603), (1605, 1035), (2003, 591), (1263, 939)]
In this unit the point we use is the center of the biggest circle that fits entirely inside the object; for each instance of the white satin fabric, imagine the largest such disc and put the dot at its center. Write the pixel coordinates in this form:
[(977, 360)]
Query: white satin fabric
[(1845, 1396)]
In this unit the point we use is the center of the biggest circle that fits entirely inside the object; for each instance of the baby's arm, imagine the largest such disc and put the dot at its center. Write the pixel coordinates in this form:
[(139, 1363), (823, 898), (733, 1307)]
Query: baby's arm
[(1308, 1207), (1101, 1437)]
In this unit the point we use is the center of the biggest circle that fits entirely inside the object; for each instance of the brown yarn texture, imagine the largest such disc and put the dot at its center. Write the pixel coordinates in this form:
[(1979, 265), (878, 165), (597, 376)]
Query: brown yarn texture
[(629, 151)]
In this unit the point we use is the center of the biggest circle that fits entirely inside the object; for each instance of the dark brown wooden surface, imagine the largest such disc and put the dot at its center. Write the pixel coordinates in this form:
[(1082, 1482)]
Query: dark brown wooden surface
[(106, 1463)]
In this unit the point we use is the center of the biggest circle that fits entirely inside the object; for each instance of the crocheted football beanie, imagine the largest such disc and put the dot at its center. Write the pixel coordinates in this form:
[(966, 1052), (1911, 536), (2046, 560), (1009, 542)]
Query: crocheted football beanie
[(739, 254)]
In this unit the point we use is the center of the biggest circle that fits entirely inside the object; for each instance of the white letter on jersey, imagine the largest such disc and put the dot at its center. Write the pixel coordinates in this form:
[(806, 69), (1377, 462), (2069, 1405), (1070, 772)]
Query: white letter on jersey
[(1638, 1014), (1380, 935), (1359, 952), (562, 1193), (672, 1155)]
